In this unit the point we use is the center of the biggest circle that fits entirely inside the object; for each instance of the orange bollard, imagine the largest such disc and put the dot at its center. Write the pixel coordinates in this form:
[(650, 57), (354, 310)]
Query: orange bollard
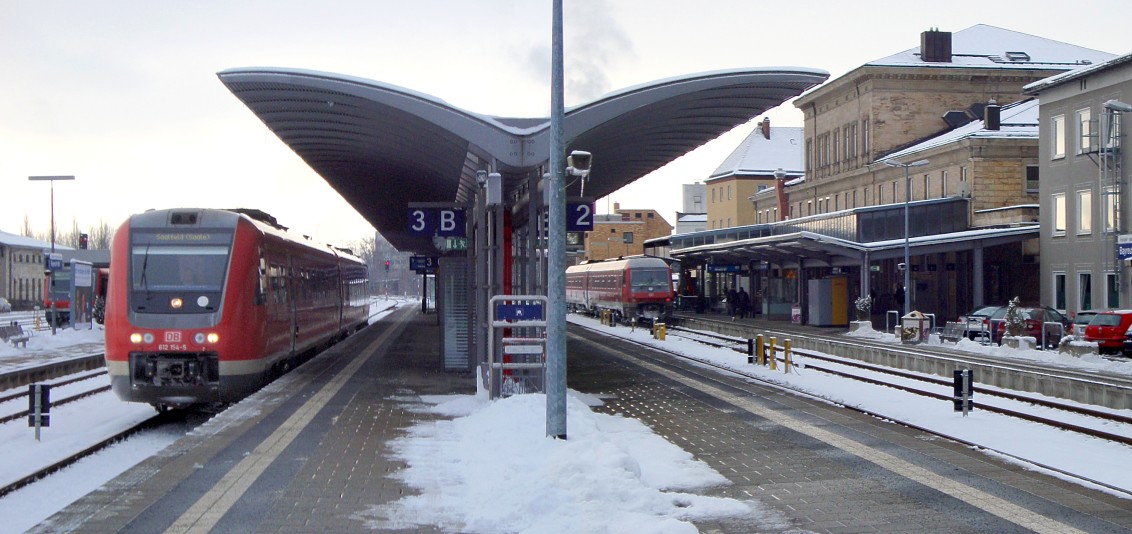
[(787, 364), (771, 358)]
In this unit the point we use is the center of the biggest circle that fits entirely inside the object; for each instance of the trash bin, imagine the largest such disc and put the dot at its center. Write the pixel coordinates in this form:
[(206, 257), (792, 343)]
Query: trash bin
[(914, 328), (796, 314)]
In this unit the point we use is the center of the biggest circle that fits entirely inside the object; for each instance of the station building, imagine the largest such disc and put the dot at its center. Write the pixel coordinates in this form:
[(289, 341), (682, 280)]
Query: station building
[(956, 110)]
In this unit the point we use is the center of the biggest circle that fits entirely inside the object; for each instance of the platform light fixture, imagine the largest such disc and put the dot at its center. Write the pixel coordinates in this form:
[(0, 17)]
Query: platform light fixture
[(907, 199), (51, 272)]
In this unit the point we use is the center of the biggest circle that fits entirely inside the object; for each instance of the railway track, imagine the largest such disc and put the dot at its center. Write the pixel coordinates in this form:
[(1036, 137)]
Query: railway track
[(726, 342), (58, 401), (42, 472), (898, 380)]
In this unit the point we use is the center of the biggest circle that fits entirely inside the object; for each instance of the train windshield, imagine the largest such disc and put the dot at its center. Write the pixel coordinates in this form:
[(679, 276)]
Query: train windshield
[(651, 280), (173, 267)]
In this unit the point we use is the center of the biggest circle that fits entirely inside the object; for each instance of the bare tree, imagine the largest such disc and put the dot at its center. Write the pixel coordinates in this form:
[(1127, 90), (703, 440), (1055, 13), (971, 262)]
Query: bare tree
[(25, 228), (100, 236)]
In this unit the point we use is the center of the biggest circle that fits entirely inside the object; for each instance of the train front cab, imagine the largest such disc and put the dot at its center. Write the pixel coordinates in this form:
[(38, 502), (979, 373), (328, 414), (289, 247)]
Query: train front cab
[(172, 312)]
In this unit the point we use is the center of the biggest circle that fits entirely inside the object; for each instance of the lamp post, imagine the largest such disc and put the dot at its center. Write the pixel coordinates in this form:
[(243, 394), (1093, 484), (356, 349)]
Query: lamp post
[(51, 272), (907, 256)]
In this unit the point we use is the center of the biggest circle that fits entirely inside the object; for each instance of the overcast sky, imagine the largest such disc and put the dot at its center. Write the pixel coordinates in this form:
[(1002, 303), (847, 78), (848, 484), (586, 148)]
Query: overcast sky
[(124, 95)]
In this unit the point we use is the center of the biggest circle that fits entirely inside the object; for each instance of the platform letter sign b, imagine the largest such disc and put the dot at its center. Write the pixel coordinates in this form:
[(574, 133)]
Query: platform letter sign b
[(447, 222)]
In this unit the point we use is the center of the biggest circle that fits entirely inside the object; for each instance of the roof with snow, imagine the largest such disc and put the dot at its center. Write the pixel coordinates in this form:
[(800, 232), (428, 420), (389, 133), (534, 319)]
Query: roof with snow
[(1019, 120), (765, 150), (13, 240), (984, 46), (1058, 79)]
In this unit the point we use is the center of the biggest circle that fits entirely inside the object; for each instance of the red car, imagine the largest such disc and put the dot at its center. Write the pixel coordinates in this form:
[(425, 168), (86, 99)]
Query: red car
[(1046, 325), (1107, 330)]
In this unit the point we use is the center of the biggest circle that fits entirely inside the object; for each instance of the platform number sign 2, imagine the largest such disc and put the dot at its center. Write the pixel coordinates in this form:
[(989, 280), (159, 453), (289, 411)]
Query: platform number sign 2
[(579, 215)]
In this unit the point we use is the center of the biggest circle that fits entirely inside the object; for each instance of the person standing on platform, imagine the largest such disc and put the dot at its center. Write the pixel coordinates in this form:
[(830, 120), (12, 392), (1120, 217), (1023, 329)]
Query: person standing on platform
[(732, 302), (744, 303), (899, 298)]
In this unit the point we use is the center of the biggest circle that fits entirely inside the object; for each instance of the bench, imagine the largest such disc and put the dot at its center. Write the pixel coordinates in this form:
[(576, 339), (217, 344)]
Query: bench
[(14, 334), (953, 331)]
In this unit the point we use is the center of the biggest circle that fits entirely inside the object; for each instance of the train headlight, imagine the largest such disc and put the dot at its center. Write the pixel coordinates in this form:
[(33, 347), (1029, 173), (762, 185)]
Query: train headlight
[(137, 337), (198, 338), (213, 337), (176, 303), (202, 301)]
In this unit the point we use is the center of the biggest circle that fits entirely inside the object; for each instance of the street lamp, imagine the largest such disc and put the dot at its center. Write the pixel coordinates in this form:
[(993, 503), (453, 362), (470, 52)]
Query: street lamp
[(51, 272), (907, 198)]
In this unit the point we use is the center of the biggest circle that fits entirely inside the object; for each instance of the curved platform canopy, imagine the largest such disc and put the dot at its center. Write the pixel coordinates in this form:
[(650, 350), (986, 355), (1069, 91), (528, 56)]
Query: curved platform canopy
[(383, 147)]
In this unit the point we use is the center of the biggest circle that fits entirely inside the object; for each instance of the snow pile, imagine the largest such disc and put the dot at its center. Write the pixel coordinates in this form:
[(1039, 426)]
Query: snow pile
[(492, 469)]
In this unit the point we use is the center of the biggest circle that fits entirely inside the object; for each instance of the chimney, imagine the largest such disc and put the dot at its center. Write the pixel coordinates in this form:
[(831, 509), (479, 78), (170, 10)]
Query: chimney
[(765, 126), (616, 207), (780, 192), (992, 116), (935, 46)]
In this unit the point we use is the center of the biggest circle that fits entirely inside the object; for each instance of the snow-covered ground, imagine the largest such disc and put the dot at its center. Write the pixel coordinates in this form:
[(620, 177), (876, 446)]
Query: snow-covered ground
[(490, 468)]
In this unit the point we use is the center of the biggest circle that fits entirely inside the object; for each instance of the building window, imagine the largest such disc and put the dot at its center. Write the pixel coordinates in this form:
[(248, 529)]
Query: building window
[(836, 142), (1112, 291), (927, 184), (1084, 212), (1032, 179), (1059, 291), (1110, 204), (1059, 214), (729, 192), (1084, 291), (1112, 130), (637, 215), (865, 138), (651, 215), (713, 195), (943, 184), (627, 237), (1057, 137), (1084, 131)]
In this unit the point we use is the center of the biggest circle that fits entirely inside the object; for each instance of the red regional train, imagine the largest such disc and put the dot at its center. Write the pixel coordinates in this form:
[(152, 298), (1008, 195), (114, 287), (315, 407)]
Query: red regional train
[(634, 288), (206, 306)]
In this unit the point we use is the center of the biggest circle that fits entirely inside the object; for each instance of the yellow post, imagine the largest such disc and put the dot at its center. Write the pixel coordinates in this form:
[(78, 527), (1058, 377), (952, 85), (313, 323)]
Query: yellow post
[(771, 357), (760, 350), (662, 330), (786, 357)]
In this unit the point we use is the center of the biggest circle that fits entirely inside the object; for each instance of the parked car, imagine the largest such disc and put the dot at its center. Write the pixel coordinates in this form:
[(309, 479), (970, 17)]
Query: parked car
[(5, 306), (977, 323), (1108, 329), (1081, 320), (1036, 319)]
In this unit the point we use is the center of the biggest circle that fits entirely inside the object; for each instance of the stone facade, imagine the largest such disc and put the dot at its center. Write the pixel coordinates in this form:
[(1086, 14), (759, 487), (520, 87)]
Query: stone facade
[(21, 273)]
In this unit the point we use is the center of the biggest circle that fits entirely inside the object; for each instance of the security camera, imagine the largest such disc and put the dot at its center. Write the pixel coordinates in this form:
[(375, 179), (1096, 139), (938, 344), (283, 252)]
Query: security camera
[(900, 266), (579, 163), (481, 177)]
